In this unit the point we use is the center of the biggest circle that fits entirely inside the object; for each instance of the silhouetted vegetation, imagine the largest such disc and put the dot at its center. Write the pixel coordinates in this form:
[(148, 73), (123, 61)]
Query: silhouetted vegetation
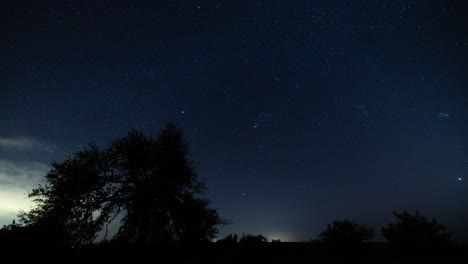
[(416, 231), (43, 235), (245, 239), (151, 185), (345, 233), (228, 240), (149, 182), (252, 239)]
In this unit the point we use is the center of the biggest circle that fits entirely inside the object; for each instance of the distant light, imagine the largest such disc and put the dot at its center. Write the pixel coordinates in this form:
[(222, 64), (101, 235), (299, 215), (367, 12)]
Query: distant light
[(182, 112), (283, 236), (460, 179)]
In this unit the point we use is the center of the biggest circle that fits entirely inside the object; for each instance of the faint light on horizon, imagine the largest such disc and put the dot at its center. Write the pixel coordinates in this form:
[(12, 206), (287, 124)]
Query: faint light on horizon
[(12, 201), (282, 236)]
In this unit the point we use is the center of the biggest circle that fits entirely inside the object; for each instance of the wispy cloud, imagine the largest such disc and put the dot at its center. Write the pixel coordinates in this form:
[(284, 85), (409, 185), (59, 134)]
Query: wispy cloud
[(16, 180), (23, 143), (21, 174)]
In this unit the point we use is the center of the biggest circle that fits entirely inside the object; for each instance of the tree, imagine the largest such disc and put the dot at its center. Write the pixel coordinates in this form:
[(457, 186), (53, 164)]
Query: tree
[(416, 231), (149, 181), (345, 233), (228, 240), (11, 234), (39, 236), (252, 239)]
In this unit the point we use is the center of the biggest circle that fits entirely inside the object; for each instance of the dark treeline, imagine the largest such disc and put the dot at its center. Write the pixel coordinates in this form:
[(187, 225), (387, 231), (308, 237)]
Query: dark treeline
[(151, 186)]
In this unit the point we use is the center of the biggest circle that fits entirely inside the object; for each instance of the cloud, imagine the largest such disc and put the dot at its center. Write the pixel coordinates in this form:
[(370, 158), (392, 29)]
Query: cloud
[(21, 174), (23, 143), (16, 180)]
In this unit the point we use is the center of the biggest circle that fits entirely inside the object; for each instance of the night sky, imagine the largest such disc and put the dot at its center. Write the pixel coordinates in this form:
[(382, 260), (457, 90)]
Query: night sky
[(297, 112)]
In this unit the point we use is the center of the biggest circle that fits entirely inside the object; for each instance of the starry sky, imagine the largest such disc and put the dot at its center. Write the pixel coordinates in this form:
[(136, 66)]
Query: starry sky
[(297, 112)]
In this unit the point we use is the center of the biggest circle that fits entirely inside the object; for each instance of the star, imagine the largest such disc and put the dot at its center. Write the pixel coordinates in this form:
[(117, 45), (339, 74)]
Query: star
[(251, 102), (443, 115)]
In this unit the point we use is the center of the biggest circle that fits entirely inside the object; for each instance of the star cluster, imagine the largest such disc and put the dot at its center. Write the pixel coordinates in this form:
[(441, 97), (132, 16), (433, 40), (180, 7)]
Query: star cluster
[(297, 113)]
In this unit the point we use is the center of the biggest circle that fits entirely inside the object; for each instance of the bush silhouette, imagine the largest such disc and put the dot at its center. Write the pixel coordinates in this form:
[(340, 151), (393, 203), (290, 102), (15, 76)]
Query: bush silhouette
[(416, 231), (39, 236), (228, 240), (345, 233), (148, 181), (252, 239)]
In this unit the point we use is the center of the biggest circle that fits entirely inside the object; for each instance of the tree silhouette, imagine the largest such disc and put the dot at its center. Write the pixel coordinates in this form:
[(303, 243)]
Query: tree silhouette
[(228, 240), (416, 231), (150, 182), (39, 236), (252, 239), (11, 234), (345, 233)]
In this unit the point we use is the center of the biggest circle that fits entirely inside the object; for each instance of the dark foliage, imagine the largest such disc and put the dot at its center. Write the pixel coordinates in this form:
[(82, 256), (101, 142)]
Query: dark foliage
[(228, 240), (416, 231), (252, 239), (43, 235), (149, 182), (345, 233), (245, 239)]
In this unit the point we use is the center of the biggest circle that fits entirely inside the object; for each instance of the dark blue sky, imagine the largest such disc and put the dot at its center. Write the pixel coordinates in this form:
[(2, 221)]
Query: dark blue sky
[(297, 112)]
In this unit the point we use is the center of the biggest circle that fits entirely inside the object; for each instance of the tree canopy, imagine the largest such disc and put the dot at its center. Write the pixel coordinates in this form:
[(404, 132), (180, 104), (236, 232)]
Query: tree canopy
[(250, 239), (148, 182), (415, 230), (345, 232)]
